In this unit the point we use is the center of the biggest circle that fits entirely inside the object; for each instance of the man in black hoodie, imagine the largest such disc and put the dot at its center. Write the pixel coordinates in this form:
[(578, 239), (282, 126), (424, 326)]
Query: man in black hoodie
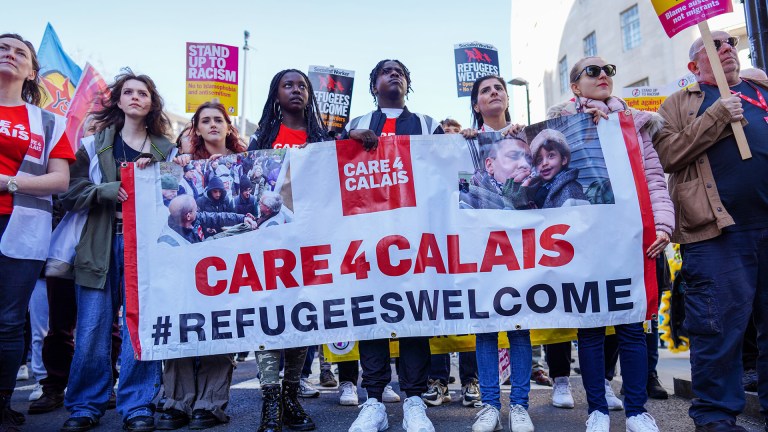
[(215, 200)]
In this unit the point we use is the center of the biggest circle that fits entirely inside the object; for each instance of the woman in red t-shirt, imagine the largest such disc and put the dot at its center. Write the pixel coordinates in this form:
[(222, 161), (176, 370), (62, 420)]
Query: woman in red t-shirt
[(290, 118), (23, 241)]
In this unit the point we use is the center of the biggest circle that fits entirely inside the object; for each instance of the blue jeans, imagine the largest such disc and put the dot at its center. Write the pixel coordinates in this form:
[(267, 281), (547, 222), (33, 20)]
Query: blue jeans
[(634, 366), (520, 354), (90, 378), (17, 281), (726, 278)]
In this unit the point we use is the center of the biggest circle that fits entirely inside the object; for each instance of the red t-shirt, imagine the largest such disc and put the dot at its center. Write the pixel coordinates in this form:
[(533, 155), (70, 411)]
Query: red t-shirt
[(14, 143), (287, 137), (389, 127)]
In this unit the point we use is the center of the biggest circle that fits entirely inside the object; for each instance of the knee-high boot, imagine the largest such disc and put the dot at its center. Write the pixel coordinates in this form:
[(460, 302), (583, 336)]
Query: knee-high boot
[(294, 415)]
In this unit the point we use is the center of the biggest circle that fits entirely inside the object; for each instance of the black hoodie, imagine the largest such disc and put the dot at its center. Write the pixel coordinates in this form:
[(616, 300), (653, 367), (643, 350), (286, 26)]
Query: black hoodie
[(207, 204)]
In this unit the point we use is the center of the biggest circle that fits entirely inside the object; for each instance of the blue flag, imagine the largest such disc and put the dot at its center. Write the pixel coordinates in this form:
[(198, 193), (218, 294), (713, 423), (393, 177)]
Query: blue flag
[(59, 74)]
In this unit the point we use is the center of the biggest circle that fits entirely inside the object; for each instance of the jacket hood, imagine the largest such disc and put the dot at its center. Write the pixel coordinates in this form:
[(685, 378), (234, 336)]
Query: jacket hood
[(215, 183)]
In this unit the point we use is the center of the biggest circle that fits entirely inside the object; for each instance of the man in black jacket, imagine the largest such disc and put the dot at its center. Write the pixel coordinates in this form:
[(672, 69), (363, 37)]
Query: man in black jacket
[(186, 225)]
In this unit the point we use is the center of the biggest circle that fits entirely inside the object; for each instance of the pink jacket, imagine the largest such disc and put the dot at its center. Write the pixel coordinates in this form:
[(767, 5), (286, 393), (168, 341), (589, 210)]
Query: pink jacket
[(646, 125)]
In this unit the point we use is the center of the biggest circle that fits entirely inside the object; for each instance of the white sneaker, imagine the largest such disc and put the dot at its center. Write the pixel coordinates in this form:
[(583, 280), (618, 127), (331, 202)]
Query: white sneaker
[(372, 417), (23, 373), (561, 393), (598, 422), (389, 395), (642, 423), (415, 416), (614, 403), (348, 394), (519, 420), (37, 392), (487, 420), (307, 390)]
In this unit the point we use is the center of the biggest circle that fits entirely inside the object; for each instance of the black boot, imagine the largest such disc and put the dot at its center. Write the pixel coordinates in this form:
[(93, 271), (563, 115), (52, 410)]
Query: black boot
[(271, 409), (9, 419), (654, 388), (294, 415)]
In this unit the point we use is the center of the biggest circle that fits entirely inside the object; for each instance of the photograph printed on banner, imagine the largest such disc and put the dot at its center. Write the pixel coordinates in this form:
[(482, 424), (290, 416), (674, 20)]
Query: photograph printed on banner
[(211, 199), (556, 163)]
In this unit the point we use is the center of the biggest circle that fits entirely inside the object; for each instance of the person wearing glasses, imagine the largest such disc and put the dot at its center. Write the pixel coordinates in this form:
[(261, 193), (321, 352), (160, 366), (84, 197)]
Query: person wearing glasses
[(722, 203), (592, 87)]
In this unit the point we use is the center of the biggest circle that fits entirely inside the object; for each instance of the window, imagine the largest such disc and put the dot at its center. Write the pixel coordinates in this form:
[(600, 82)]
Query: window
[(562, 68), (590, 45), (630, 28), (642, 83)]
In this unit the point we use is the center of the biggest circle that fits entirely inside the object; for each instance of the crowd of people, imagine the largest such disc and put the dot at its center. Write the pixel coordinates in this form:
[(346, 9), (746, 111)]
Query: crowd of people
[(716, 208)]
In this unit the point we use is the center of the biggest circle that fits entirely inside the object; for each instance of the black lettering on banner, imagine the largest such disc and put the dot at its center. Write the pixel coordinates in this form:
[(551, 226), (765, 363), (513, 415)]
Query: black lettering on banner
[(614, 296), (185, 327), (448, 304), (264, 317), (311, 318), (358, 310), (571, 296), (329, 314), (473, 313), (497, 302), (387, 302), (217, 325), (530, 298), (424, 303), (241, 323)]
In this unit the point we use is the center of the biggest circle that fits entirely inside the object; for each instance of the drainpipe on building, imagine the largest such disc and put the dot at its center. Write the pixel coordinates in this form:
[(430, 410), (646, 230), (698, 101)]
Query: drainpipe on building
[(756, 12)]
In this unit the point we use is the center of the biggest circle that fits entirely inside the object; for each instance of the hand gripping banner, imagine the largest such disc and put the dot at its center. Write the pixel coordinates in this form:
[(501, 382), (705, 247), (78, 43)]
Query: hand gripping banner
[(427, 235)]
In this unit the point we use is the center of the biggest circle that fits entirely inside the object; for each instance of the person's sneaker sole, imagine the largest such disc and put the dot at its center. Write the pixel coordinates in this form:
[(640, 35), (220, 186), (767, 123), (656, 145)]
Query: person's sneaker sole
[(561, 405)]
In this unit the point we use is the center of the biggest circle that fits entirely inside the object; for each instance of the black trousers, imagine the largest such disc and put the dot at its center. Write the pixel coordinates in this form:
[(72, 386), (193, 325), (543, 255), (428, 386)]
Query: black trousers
[(413, 369)]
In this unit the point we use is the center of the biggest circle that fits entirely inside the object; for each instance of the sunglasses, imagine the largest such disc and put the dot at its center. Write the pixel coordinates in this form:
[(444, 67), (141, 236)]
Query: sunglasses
[(732, 41), (593, 71)]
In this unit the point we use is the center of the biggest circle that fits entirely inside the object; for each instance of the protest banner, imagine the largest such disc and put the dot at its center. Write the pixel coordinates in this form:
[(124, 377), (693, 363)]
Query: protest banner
[(333, 91), (648, 98), (677, 15), (59, 74), (212, 75), (392, 243), (473, 60), (87, 99)]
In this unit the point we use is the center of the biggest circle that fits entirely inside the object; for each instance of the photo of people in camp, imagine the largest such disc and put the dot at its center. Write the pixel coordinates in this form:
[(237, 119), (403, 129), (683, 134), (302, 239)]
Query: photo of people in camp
[(556, 163)]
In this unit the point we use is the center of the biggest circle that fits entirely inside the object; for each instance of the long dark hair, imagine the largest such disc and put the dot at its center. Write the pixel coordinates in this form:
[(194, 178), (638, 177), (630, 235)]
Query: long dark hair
[(477, 118), (233, 141), (30, 90), (375, 76), (110, 114), (272, 115)]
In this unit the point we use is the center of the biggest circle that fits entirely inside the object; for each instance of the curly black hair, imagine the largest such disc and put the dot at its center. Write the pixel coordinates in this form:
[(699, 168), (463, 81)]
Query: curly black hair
[(377, 70), (269, 124)]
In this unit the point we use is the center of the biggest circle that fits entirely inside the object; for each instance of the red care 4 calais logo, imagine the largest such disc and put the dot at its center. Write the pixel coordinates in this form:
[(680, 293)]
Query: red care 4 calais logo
[(375, 181), (35, 146)]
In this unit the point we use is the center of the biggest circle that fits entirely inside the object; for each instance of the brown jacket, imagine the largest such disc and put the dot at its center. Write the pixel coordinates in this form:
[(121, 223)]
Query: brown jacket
[(682, 146)]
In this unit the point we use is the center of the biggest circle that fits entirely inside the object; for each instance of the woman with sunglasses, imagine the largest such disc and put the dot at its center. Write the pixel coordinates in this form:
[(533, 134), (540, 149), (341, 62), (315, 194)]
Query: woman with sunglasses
[(592, 85)]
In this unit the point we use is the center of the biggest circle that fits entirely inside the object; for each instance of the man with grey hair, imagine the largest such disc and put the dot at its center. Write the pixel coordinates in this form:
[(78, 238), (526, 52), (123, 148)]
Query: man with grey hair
[(270, 205), (721, 203)]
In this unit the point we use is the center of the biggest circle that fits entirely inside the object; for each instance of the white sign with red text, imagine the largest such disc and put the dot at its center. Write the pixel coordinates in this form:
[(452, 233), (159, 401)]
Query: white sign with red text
[(378, 247)]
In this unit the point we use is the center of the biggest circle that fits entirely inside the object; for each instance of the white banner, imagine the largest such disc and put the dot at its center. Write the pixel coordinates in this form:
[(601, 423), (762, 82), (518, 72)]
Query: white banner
[(427, 235)]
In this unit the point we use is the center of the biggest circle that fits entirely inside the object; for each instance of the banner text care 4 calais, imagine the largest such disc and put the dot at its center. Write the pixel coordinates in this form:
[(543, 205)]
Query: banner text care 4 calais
[(427, 235)]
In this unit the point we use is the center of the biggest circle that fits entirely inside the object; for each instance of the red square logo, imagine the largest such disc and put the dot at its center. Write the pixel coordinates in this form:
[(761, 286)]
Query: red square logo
[(375, 181), (36, 145)]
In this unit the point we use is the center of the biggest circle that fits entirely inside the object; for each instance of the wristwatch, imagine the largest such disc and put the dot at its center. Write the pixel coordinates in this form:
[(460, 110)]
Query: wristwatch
[(12, 186)]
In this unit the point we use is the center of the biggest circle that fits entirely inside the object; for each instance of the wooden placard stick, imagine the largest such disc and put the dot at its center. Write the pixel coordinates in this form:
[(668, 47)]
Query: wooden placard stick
[(722, 85)]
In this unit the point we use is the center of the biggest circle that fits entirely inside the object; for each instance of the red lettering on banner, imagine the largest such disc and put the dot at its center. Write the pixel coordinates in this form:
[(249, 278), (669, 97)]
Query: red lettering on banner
[(563, 248), (385, 261), (244, 275), (454, 259), (36, 144), (529, 248), (202, 280), (310, 265), (498, 240), (357, 265), (272, 271), (429, 255)]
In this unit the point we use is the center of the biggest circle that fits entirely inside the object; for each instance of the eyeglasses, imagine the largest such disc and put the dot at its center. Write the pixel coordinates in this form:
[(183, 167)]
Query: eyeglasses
[(593, 71), (732, 41)]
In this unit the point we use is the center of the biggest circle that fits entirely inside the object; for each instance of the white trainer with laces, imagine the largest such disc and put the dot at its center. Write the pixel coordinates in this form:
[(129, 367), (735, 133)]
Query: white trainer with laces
[(37, 392), (307, 390), (561, 393), (642, 423), (372, 417), (598, 422), (415, 416), (487, 420), (389, 395), (519, 420), (614, 403), (348, 394)]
